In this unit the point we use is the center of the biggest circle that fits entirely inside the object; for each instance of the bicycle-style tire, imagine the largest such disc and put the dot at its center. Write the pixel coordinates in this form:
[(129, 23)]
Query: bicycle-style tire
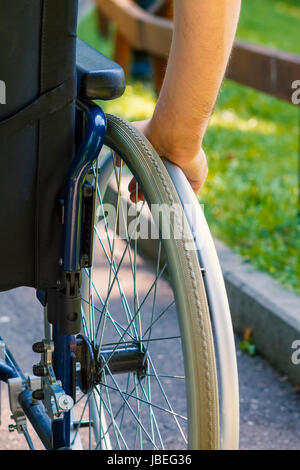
[(184, 270)]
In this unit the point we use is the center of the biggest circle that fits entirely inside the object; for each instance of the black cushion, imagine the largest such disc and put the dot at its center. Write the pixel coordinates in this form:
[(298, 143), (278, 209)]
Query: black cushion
[(37, 133), (97, 76)]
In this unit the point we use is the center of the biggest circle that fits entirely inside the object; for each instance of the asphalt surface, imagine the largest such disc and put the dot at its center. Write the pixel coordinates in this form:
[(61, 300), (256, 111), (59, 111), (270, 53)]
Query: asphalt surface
[(270, 407)]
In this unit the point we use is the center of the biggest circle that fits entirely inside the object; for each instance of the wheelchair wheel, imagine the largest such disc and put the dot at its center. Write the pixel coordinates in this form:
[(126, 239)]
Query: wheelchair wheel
[(148, 322)]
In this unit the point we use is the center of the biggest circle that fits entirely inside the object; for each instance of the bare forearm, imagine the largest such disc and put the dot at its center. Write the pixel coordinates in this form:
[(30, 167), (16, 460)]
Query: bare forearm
[(204, 31)]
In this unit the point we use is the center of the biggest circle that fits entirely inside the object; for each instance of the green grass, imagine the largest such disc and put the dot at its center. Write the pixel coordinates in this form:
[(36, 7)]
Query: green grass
[(273, 23), (251, 191), (252, 145)]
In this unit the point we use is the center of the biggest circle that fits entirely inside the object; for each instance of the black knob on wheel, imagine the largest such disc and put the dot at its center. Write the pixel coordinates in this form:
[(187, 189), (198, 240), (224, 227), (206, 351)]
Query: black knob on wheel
[(38, 394), (38, 347), (39, 370)]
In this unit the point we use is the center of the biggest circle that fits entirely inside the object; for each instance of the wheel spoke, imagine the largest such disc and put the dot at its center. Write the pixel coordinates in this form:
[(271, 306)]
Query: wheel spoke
[(112, 256), (123, 396), (116, 272), (133, 411), (167, 401), (157, 319), (113, 422), (154, 405)]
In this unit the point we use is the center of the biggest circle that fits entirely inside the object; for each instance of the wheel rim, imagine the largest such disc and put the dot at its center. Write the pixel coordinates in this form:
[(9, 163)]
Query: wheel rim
[(131, 411)]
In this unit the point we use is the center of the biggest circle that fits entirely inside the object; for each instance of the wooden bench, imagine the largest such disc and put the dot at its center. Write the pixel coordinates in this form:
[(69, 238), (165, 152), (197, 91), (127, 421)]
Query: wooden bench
[(262, 68)]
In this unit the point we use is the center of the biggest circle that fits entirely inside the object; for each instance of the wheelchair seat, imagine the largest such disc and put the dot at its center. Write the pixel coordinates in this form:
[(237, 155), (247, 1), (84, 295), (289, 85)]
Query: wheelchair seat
[(97, 76)]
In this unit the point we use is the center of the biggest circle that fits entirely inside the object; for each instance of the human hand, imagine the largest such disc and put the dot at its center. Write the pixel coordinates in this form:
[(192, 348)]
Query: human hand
[(194, 167)]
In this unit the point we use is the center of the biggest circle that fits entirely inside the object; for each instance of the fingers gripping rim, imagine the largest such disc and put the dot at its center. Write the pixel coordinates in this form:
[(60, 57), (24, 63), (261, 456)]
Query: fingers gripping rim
[(189, 290)]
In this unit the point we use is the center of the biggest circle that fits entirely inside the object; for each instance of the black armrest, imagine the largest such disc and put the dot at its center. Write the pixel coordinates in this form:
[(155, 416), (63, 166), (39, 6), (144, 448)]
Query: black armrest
[(97, 76)]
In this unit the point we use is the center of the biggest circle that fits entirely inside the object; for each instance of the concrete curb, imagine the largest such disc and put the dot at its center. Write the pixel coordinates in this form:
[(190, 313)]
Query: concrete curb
[(259, 302)]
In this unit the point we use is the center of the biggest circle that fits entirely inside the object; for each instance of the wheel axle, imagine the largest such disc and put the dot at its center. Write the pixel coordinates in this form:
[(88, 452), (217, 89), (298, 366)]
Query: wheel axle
[(111, 360)]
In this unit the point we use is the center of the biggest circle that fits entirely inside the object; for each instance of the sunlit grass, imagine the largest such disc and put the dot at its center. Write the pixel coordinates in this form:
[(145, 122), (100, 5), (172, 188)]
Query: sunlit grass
[(230, 120), (273, 23), (251, 192), (136, 104)]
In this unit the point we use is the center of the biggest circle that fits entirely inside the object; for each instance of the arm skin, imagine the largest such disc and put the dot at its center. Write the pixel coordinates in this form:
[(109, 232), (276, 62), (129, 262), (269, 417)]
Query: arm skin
[(204, 32)]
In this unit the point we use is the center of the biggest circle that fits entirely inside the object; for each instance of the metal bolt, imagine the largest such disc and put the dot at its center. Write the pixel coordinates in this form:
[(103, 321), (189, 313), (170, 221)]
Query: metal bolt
[(65, 402), (12, 427)]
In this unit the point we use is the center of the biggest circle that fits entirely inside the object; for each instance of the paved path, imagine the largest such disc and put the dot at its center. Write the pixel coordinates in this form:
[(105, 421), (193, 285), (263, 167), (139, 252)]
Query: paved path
[(270, 407)]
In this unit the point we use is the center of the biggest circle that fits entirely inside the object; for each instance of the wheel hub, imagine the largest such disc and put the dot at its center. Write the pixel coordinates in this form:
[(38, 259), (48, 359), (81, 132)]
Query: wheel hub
[(115, 359)]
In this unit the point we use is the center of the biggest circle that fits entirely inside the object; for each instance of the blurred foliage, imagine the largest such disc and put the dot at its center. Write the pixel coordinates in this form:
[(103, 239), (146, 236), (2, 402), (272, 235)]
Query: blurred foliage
[(251, 193), (138, 101), (247, 345), (273, 23), (248, 348)]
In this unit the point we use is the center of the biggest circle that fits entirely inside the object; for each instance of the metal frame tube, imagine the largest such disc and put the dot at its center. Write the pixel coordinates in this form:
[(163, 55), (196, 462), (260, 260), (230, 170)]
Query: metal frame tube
[(62, 368), (8, 366), (95, 129), (7, 372), (95, 125), (37, 416), (86, 156)]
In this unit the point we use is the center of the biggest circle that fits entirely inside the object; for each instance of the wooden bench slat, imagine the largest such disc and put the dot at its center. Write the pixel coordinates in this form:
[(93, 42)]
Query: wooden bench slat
[(262, 68)]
